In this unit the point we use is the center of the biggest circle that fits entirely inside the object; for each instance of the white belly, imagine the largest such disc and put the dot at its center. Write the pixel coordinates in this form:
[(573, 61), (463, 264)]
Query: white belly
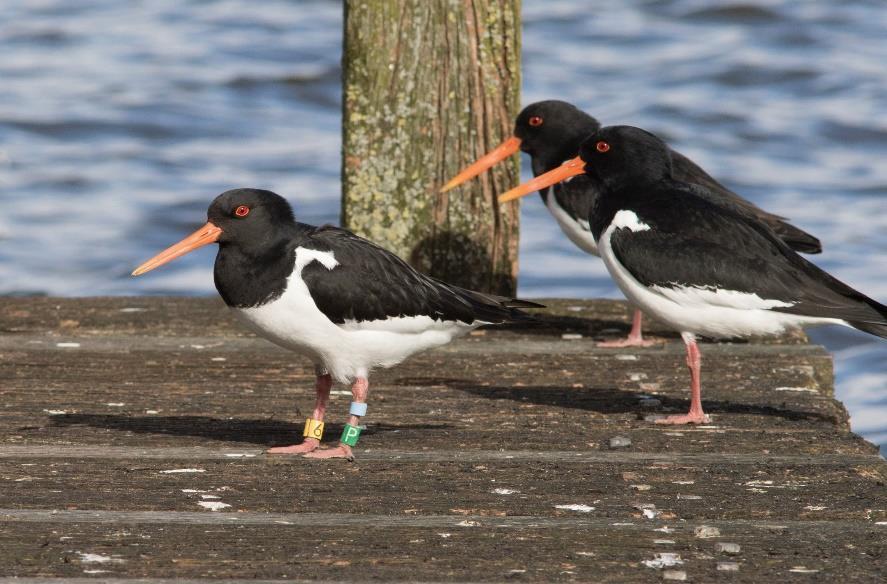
[(578, 232), (704, 311), (352, 349)]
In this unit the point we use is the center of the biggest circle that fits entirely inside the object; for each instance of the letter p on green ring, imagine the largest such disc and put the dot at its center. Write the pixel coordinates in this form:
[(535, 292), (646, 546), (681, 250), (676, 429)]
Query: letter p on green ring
[(350, 435)]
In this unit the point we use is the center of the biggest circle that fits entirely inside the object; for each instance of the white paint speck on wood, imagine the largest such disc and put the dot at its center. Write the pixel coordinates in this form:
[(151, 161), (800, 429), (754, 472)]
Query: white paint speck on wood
[(504, 491), (213, 505), (575, 507), (664, 560), (88, 558)]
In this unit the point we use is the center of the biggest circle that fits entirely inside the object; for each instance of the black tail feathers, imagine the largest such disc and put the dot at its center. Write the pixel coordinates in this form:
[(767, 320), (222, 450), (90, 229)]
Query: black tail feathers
[(500, 309), (518, 303), (514, 306), (879, 329), (798, 239)]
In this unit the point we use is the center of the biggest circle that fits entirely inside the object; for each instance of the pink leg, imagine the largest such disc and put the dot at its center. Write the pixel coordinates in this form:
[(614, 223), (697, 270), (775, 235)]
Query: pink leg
[(635, 337), (359, 390), (322, 387), (694, 363)]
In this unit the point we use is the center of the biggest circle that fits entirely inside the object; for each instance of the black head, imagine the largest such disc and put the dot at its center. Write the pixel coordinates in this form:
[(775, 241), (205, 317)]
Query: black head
[(620, 155), (553, 130), (251, 222), (549, 131), (250, 218)]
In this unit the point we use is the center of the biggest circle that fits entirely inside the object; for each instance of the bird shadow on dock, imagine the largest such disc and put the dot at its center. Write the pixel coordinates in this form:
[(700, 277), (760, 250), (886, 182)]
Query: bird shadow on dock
[(262, 432), (609, 400)]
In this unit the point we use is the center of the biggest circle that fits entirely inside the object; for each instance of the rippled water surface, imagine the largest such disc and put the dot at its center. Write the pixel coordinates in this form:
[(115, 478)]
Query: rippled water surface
[(119, 121)]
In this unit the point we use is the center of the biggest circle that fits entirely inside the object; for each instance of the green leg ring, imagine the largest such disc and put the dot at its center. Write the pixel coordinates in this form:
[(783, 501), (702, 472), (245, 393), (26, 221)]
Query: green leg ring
[(350, 435)]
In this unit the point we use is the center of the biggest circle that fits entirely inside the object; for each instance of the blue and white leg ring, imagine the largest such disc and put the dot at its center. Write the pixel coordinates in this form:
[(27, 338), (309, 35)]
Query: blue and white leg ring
[(358, 409)]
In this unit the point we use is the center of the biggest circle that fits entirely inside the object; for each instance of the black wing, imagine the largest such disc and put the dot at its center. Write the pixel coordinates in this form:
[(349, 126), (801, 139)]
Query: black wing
[(694, 242), (685, 170), (371, 283)]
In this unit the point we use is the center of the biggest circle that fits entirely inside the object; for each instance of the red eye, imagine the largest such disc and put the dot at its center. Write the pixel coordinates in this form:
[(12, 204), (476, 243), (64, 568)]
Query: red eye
[(535, 121), (602, 146), (241, 211)]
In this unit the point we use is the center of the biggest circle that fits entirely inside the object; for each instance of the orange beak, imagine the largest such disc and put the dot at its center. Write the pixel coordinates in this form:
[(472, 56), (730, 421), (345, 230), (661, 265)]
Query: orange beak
[(207, 234), (561, 173), (498, 154)]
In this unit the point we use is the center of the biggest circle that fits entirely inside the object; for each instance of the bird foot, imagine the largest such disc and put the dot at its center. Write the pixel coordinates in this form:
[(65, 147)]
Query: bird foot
[(340, 451), (699, 418), (308, 445), (630, 342)]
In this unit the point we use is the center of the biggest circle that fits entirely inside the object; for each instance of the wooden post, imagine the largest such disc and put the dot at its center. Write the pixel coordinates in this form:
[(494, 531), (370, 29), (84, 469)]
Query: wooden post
[(430, 85)]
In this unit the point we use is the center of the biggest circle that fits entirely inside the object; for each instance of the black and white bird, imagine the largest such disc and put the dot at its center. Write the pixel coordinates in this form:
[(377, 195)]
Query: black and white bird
[(701, 265), (551, 132), (345, 303)]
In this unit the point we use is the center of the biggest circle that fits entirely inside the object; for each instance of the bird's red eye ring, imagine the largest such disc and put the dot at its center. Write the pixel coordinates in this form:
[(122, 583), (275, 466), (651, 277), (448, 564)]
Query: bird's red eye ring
[(602, 146), (241, 211), (535, 121)]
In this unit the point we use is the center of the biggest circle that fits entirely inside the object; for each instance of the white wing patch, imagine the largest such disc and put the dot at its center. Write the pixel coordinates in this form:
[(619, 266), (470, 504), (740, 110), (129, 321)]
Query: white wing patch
[(305, 256), (710, 296), (629, 220)]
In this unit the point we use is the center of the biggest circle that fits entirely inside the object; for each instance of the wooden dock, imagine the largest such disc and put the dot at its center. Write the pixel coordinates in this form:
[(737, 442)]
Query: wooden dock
[(132, 436)]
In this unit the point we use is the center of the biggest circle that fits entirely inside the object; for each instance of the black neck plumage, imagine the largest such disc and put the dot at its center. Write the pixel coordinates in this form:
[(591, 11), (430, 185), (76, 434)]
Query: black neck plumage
[(250, 277)]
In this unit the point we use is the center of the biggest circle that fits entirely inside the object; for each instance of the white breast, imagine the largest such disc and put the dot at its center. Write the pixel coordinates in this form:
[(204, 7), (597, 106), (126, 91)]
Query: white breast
[(713, 312), (349, 350), (577, 231)]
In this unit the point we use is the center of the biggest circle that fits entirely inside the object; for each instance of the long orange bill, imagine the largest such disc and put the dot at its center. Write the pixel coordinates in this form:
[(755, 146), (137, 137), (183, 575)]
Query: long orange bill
[(497, 154), (207, 234), (561, 173)]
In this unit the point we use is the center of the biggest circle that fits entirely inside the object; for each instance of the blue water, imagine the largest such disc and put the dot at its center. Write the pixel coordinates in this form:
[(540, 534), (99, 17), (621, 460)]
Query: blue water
[(119, 121)]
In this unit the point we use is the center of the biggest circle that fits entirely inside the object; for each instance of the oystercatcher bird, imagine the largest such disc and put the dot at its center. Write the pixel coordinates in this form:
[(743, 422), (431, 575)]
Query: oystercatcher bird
[(696, 262), (551, 132), (345, 303)]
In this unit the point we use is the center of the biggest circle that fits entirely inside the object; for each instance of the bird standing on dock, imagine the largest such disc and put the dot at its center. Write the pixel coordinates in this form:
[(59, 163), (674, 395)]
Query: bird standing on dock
[(551, 132), (344, 302), (698, 264)]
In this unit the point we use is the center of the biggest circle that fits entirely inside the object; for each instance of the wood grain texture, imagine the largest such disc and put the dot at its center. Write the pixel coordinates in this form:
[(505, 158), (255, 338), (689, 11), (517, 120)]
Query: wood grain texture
[(123, 420), (428, 87)]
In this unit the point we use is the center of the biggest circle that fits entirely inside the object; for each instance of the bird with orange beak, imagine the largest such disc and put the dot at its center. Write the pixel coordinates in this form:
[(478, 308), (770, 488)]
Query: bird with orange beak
[(700, 264), (551, 132), (341, 301)]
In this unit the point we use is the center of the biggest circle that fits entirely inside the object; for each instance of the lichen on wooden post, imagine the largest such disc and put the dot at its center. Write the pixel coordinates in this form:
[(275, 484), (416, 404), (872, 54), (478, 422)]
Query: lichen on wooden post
[(430, 85)]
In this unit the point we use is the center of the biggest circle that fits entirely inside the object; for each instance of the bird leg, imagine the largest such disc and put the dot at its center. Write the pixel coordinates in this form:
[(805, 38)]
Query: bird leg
[(694, 363), (322, 387), (359, 390), (635, 338)]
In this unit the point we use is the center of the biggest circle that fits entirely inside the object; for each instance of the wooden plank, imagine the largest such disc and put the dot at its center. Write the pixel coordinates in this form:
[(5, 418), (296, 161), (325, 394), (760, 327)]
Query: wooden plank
[(496, 441), (459, 522), (133, 390), (682, 490), (768, 552), (197, 453)]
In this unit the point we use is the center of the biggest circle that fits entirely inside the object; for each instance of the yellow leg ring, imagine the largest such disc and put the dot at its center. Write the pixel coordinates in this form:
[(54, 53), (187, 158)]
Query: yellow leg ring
[(313, 429)]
